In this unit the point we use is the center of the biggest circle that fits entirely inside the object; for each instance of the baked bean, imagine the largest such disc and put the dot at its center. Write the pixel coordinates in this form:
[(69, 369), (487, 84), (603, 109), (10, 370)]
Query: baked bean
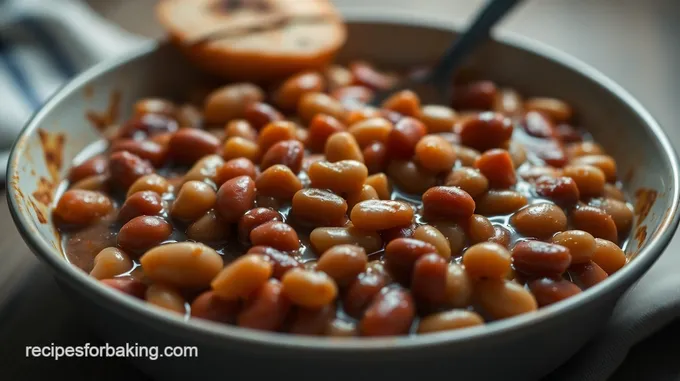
[(229, 102), (152, 182), (110, 263), (595, 221), (276, 132), (321, 128), (604, 162), (503, 299), (343, 263), (260, 114), (485, 131), (341, 176), (381, 184), (538, 124), (236, 147), (99, 183), (165, 297), (314, 103), (428, 282), (381, 214), (341, 328), (555, 109), (362, 113), (353, 96), (146, 126), (361, 291), (254, 218), (449, 320), (188, 145), (468, 179), (402, 139), (500, 236), (370, 131), (410, 177), (608, 256), (142, 233), (275, 234), (548, 290), (127, 285), (619, 211), (575, 150), (405, 102), (319, 207), (366, 193), (188, 116), (377, 266), (208, 228), (235, 197), (388, 235), (281, 261), (435, 154), (390, 313), (309, 289), (144, 203), (508, 102), (540, 258), (207, 168), (431, 235), (581, 244), (459, 287), (324, 238), (337, 76), (182, 264), (154, 106), (240, 128), (587, 274), (496, 202), (278, 181), (561, 190), (568, 134), (126, 168), (342, 146), (478, 229), (235, 168), (401, 255), (365, 75), (209, 306), (82, 207), (444, 202), (147, 150), (242, 277), (95, 166), (454, 234), (539, 220), (532, 173), (466, 156), (487, 260), (288, 95), (517, 152), (312, 322), (496, 165), (437, 118), (287, 152), (194, 199), (267, 308), (611, 191), (589, 180)]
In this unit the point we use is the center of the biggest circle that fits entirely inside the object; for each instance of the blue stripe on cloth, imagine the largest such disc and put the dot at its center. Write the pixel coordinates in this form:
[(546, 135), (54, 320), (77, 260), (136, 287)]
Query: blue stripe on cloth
[(50, 46), (8, 60)]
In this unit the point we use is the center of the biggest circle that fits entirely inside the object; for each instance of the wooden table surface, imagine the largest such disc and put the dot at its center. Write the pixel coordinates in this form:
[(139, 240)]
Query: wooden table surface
[(633, 42)]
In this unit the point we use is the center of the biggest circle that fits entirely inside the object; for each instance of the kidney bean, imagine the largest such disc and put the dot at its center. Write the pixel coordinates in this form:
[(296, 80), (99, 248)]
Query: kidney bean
[(539, 125), (388, 235), (267, 309), (584, 148), (468, 179), (465, 155), (94, 166), (314, 103), (549, 291), (276, 132), (455, 235), (361, 292), (229, 102), (405, 102), (343, 263), (402, 139), (500, 236), (275, 234), (235, 197), (496, 165), (540, 220), (183, 264), (126, 168), (309, 289), (444, 202), (209, 306), (98, 183), (288, 152), (555, 109), (278, 181), (381, 214), (240, 128), (498, 202), (375, 157), (381, 184), (366, 193), (431, 235), (235, 168), (581, 244), (109, 263), (449, 320), (142, 233), (342, 146), (319, 207), (260, 114), (165, 297), (540, 258), (428, 282), (154, 153), (324, 238), (341, 176), (587, 274), (437, 118), (411, 177), (242, 277), (619, 211), (321, 128), (208, 228), (589, 180), (611, 191), (237, 147), (595, 221), (365, 75), (503, 299), (401, 255), (568, 134), (147, 125), (281, 261), (561, 190), (485, 131), (487, 260), (147, 203), (478, 95), (288, 95), (82, 207), (608, 256), (604, 162), (478, 229), (206, 169), (312, 322), (390, 313), (127, 285), (435, 154), (459, 286), (550, 151), (254, 218), (188, 145), (194, 199), (371, 130)]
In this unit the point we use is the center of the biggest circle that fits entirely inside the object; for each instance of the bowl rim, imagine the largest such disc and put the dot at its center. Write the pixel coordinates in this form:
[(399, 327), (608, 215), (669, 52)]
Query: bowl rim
[(212, 332)]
